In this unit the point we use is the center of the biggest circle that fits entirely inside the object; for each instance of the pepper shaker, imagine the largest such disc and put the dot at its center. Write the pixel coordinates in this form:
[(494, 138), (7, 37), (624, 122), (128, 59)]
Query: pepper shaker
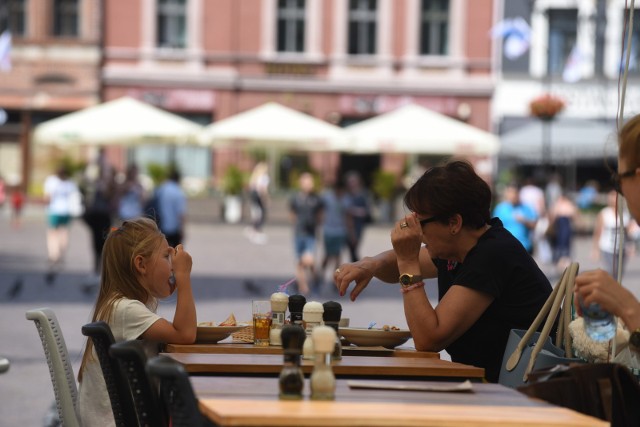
[(291, 380), (331, 317), (296, 304), (323, 382)]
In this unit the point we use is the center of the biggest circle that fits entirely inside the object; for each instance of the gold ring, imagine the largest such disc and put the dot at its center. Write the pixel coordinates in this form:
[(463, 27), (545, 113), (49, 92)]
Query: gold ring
[(403, 225), (337, 271)]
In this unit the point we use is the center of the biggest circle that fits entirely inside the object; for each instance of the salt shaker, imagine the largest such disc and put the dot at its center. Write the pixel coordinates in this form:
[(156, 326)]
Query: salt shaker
[(312, 316), (331, 317), (291, 380), (296, 304), (323, 382), (279, 301)]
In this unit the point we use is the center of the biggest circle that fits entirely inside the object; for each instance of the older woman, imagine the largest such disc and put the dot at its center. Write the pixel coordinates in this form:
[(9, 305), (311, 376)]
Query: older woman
[(598, 286), (487, 282)]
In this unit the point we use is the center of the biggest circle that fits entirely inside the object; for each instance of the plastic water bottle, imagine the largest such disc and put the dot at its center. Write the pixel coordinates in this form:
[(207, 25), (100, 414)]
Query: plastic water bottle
[(599, 324)]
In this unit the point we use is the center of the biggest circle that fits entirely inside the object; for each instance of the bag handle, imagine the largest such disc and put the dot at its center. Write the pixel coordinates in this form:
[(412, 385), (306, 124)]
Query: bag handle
[(550, 309)]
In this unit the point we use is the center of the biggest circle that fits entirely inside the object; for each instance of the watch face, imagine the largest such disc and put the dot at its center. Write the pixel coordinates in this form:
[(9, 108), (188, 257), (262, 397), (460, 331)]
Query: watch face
[(405, 279), (634, 339)]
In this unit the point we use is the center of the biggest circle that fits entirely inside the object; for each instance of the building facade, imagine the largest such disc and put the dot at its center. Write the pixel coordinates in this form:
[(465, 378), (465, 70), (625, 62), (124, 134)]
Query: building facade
[(339, 60), (54, 68)]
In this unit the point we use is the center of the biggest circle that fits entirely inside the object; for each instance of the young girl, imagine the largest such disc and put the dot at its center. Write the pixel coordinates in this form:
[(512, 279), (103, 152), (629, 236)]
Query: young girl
[(137, 267)]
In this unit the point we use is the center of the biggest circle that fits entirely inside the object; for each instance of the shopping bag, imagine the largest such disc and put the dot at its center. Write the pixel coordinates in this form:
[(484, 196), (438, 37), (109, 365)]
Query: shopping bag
[(527, 350), (549, 356)]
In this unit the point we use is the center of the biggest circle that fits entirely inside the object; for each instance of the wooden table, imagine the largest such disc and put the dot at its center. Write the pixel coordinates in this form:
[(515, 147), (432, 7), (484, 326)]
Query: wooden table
[(348, 366), (243, 401), (241, 348)]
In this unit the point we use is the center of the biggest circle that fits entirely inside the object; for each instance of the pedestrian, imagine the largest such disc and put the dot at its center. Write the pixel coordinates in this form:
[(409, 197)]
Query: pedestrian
[(130, 195), (533, 195), (172, 206), (59, 190), (306, 210), (359, 211), (336, 225), (17, 203), (607, 239), (518, 218), (3, 192), (99, 191), (139, 268), (487, 282), (562, 217), (258, 199)]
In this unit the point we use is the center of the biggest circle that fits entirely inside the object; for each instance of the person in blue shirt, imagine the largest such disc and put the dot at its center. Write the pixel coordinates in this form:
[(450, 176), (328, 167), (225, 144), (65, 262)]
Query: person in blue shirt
[(172, 204), (518, 218)]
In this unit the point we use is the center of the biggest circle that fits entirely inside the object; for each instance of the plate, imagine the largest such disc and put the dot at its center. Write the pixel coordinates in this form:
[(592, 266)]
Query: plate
[(364, 337), (213, 334)]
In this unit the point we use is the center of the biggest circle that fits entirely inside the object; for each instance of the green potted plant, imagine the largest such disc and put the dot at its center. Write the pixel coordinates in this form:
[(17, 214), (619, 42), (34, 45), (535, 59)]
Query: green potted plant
[(384, 188), (233, 183)]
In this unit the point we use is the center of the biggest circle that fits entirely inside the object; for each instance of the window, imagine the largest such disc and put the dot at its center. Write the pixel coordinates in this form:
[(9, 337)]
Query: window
[(362, 27), (65, 18), (434, 27), (634, 65), (563, 25), (15, 17), (172, 24), (290, 37)]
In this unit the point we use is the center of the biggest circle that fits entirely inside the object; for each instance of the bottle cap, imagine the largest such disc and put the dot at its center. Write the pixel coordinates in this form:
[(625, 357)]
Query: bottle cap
[(324, 339), (332, 311), (296, 303), (279, 301)]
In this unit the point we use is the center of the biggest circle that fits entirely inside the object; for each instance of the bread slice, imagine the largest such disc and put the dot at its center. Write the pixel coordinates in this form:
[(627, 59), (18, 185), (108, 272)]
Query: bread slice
[(229, 321)]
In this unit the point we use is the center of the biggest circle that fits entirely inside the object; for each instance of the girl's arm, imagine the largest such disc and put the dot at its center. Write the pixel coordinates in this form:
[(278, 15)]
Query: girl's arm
[(183, 328)]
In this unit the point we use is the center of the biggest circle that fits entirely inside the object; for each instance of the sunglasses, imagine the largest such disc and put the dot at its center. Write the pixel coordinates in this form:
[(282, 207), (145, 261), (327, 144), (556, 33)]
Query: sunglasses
[(428, 220), (617, 178)]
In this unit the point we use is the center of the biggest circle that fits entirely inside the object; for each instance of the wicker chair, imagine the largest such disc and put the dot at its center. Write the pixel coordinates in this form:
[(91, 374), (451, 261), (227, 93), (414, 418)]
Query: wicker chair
[(122, 405), (145, 396), (177, 393), (60, 369)]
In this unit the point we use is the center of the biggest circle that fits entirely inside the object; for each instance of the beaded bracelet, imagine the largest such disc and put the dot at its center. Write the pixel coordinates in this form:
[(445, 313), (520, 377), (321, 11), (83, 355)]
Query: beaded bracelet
[(416, 285)]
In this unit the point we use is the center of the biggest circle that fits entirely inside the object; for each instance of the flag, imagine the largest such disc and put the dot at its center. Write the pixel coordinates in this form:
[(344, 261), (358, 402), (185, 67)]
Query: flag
[(5, 51), (572, 71), (516, 34)]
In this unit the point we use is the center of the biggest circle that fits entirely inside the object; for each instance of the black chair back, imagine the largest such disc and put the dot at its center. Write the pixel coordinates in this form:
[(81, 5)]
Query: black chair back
[(177, 393), (145, 391), (122, 404)]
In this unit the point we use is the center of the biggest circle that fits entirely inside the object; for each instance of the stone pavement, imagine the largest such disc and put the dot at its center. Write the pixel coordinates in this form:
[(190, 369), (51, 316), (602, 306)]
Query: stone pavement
[(228, 271)]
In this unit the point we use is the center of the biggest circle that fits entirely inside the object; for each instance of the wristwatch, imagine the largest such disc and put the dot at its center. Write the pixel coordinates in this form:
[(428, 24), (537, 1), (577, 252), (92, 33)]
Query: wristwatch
[(634, 339), (409, 279)]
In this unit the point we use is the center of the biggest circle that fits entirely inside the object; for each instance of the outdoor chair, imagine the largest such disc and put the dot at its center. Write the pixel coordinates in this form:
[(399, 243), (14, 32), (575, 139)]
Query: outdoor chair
[(176, 392), (122, 405), (133, 360), (60, 369)]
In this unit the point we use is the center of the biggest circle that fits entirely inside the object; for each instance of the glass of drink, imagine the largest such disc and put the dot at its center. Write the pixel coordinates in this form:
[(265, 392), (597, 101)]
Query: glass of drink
[(261, 322)]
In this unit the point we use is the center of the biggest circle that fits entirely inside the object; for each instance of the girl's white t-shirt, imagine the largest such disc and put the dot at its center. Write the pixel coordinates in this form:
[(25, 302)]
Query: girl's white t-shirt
[(609, 235), (130, 320)]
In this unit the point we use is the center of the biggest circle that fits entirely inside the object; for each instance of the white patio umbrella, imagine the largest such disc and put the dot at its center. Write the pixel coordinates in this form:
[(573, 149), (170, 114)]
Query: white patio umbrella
[(275, 126), (417, 130), (124, 121)]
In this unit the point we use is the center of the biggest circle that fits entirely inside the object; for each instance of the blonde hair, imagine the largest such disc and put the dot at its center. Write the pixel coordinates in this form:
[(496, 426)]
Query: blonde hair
[(629, 142), (119, 279)]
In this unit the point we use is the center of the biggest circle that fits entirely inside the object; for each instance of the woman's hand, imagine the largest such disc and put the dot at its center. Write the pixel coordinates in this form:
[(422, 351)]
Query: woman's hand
[(406, 238), (360, 272), (597, 286)]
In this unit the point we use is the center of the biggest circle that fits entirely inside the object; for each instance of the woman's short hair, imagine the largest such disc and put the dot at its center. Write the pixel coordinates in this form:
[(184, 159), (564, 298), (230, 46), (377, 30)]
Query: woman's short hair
[(629, 141), (453, 188)]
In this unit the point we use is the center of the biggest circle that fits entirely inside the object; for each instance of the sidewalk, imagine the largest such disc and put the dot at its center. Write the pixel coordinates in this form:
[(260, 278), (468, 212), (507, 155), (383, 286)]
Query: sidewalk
[(228, 271)]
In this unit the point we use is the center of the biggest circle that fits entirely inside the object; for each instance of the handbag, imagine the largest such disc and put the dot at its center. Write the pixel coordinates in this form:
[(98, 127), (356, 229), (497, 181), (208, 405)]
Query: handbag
[(529, 350), (608, 391)]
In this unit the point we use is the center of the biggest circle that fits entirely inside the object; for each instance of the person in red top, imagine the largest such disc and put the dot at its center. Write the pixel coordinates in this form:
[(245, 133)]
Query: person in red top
[(17, 201)]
